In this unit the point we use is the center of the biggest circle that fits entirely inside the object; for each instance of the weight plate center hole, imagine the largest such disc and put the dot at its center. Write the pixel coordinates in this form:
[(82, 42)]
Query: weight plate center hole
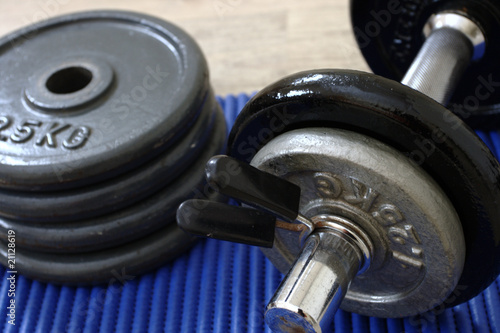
[(69, 84), (69, 80)]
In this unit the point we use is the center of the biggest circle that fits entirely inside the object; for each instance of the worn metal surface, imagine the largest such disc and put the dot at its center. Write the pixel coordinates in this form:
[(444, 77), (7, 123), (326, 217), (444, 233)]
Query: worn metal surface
[(93, 95), (400, 117), (418, 242)]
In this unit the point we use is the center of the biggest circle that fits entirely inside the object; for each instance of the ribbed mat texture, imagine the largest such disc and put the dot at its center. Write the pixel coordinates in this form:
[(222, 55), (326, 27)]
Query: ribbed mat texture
[(215, 287)]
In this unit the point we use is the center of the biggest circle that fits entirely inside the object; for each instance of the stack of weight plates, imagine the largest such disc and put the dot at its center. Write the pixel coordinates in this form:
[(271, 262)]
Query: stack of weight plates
[(106, 122)]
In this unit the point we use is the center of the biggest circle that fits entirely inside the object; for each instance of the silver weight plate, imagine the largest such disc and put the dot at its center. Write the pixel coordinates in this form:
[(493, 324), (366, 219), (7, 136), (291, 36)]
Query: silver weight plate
[(419, 247), (141, 219), (91, 95), (119, 192)]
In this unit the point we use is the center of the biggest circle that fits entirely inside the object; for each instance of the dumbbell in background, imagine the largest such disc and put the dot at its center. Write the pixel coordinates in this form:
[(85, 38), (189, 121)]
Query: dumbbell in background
[(348, 213)]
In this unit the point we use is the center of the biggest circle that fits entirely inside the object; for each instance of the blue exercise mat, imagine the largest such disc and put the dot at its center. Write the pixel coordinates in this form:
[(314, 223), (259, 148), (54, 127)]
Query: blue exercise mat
[(215, 287)]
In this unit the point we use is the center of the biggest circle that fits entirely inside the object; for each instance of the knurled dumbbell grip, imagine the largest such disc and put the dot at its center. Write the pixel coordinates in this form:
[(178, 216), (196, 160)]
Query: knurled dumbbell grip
[(440, 64)]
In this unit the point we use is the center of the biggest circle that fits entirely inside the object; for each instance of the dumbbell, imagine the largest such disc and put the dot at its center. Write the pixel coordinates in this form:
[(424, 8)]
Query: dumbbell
[(370, 195), (389, 34)]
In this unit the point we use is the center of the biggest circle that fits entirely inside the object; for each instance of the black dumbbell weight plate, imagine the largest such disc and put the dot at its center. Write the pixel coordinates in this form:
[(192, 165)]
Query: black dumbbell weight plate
[(405, 119), (390, 34), (93, 95), (131, 259), (115, 193), (126, 225)]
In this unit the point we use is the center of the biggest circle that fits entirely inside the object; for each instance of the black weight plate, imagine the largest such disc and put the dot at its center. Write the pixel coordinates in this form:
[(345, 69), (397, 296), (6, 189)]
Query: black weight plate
[(390, 34), (116, 193), (404, 119), (92, 95), (107, 266), (111, 230)]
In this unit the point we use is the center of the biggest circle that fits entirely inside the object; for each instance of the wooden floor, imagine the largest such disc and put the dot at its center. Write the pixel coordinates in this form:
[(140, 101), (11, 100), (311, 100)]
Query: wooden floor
[(248, 43)]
